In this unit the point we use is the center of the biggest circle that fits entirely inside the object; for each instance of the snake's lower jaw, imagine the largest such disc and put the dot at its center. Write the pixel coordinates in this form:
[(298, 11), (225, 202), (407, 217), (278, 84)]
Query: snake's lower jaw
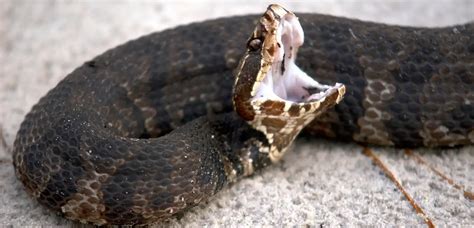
[(284, 98), (282, 120)]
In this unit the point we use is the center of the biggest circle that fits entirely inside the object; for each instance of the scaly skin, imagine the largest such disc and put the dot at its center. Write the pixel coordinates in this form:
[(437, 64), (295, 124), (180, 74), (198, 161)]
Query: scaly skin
[(88, 148)]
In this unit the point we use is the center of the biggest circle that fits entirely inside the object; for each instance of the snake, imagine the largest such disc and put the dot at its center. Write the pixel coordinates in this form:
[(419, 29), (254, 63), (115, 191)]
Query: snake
[(157, 125)]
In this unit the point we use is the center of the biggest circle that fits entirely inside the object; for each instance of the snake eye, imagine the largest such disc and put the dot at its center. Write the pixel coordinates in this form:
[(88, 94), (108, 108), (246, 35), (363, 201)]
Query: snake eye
[(254, 44)]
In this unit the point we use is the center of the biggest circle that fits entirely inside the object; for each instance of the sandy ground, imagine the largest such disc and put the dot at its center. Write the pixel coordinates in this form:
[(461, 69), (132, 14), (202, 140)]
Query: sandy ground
[(318, 183)]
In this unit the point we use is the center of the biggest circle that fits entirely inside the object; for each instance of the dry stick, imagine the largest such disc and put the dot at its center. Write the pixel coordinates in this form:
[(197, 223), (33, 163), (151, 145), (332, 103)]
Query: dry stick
[(3, 142), (467, 194), (392, 177)]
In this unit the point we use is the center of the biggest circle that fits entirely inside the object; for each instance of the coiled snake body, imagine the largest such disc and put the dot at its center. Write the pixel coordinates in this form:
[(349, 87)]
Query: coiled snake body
[(147, 129)]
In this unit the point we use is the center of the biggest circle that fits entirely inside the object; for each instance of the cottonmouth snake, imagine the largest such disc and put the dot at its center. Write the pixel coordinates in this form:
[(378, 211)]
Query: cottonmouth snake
[(148, 129)]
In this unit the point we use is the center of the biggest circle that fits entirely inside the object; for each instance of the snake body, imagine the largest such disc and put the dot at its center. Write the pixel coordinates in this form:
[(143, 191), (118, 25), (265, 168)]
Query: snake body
[(147, 129)]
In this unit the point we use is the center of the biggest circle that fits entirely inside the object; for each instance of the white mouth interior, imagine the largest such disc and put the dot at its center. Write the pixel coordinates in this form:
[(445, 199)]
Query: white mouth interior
[(286, 81)]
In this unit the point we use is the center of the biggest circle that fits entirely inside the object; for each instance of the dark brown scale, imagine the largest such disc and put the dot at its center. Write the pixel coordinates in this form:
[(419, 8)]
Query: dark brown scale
[(88, 148)]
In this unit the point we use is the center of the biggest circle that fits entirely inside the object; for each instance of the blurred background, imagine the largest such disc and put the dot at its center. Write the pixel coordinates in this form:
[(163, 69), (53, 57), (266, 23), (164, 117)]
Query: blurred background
[(41, 41)]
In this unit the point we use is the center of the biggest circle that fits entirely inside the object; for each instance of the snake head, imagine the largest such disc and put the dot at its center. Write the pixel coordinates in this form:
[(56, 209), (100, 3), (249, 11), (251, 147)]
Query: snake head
[(270, 92)]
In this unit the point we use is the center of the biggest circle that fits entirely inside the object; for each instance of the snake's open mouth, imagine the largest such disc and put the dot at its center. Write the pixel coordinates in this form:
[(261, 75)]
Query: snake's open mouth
[(283, 80), (275, 96), (268, 80)]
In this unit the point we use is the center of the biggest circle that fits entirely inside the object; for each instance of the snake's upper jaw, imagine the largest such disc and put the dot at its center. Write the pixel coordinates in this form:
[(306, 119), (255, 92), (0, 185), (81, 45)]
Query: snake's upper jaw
[(273, 94)]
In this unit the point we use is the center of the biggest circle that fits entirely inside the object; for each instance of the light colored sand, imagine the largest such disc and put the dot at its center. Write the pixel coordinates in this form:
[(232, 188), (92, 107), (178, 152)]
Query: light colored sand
[(319, 182)]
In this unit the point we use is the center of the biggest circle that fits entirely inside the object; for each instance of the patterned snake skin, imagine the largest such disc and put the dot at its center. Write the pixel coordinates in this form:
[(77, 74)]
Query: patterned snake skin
[(90, 149)]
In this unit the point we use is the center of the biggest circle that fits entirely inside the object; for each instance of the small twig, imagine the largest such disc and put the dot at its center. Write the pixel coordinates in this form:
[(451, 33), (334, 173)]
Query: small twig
[(3, 141), (467, 194), (392, 177)]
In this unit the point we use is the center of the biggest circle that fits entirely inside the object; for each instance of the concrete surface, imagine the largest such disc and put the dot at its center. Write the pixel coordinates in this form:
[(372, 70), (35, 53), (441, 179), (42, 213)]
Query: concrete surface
[(318, 183)]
